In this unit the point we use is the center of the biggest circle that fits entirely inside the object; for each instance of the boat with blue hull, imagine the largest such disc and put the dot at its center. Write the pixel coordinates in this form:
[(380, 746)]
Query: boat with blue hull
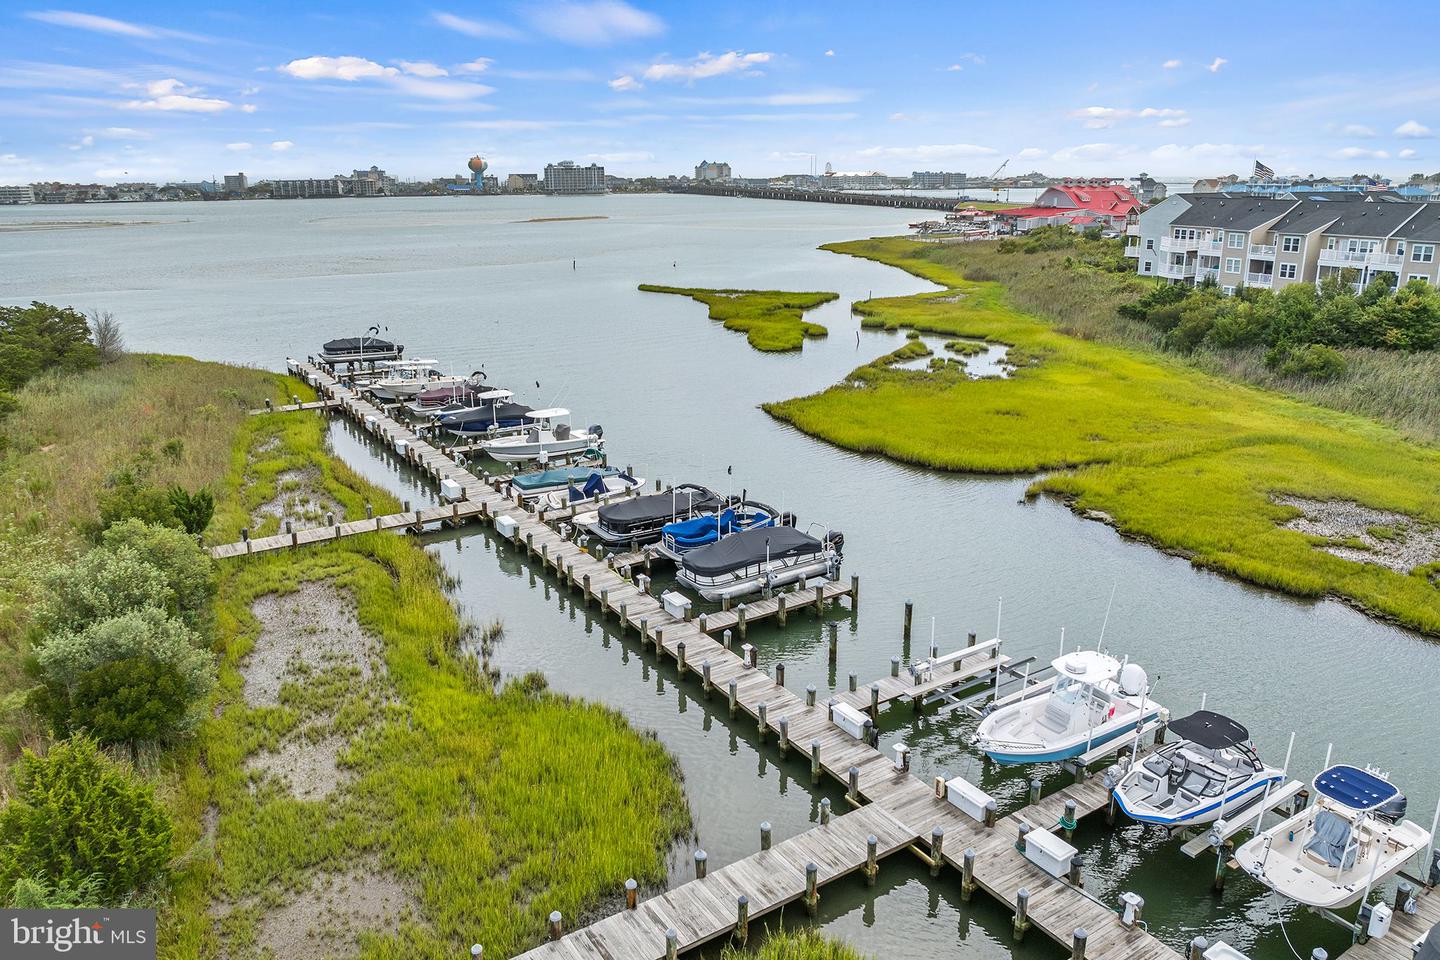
[(489, 411)]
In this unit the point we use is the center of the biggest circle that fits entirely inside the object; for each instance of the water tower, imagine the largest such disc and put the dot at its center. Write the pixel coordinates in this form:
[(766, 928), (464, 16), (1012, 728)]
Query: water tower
[(478, 166)]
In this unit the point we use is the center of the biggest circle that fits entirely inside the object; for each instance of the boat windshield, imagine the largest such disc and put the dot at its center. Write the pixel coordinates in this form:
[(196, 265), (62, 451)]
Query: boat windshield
[(1069, 690)]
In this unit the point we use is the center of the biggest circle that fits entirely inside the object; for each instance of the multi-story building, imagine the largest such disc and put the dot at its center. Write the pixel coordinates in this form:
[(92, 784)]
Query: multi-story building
[(236, 182), (371, 183), (295, 189), (1273, 242), (567, 178), (23, 193), (871, 180), (522, 182), (937, 180), (1079, 205), (707, 171)]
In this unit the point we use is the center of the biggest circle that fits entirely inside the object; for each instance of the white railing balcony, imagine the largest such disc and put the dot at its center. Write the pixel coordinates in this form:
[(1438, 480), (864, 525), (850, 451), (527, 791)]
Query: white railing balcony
[(1133, 250), (1176, 245), (1207, 273), (1263, 250), (1355, 287), (1344, 258), (1385, 261), (1259, 279), (1175, 271), (1132, 229), (1211, 246)]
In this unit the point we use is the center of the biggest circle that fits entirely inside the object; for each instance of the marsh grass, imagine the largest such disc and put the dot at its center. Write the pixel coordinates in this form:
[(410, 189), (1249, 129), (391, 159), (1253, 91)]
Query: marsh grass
[(1188, 461), (806, 943), (772, 320), (491, 806)]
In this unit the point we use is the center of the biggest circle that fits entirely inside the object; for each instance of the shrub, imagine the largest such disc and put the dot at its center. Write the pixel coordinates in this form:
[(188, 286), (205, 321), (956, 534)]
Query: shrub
[(38, 893), (129, 497), (99, 585), (76, 815), (187, 570), (191, 510), (176, 676), (1314, 361), (131, 700), (40, 337)]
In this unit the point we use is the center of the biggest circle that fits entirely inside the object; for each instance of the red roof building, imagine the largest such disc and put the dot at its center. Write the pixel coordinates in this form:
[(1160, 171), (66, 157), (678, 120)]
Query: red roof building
[(1075, 204)]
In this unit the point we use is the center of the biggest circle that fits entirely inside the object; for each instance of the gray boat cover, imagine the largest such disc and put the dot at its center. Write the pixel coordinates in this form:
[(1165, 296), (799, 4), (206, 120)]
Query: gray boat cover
[(1430, 948), (1209, 729), (1332, 837), (357, 344), (643, 511), (748, 547)]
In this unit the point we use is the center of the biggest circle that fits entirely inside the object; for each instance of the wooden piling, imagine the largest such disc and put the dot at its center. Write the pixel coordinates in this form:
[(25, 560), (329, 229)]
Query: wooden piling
[(1077, 943), (765, 832), (937, 850), (557, 925), (825, 812), (632, 897), (872, 859), (780, 609), (1022, 913), (742, 918), (815, 761), (967, 874), (909, 616), (701, 859), (812, 888)]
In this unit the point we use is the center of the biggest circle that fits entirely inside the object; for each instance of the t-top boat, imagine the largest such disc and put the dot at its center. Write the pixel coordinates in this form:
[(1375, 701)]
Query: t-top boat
[(449, 397), (682, 536), (762, 558), (403, 379), (1335, 851), (639, 520), (488, 410), (596, 490), (1093, 699), (548, 436), (1211, 772), (367, 349)]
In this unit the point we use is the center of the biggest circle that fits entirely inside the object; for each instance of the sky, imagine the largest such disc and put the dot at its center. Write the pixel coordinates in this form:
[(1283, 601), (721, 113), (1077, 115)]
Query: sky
[(163, 91)]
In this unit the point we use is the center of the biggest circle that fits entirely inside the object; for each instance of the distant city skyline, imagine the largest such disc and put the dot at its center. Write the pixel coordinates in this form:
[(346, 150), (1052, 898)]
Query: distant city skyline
[(165, 91)]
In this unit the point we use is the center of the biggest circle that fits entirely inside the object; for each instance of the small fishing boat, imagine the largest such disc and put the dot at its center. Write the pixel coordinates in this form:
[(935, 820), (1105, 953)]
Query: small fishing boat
[(1211, 772), (1092, 699), (596, 489), (682, 536), (548, 436), (490, 410), (762, 558), (1335, 851), (403, 379), (367, 349), (531, 486), (639, 520)]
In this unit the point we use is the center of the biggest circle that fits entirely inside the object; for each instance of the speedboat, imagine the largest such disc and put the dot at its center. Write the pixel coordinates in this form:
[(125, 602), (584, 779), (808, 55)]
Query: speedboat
[(1093, 699), (1211, 772), (597, 489), (682, 536), (489, 410), (1335, 851), (367, 349), (762, 558), (548, 436), (403, 379), (449, 397), (639, 520)]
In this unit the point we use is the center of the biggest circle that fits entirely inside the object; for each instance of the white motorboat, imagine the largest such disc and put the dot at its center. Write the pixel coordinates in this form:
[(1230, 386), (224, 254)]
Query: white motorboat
[(1093, 699), (598, 488), (1334, 852), (1211, 772), (760, 559), (549, 436), (404, 379)]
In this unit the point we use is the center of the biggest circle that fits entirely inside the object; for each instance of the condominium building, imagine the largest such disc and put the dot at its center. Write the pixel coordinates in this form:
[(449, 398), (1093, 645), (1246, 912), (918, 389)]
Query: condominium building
[(712, 171), (522, 182), (1272, 242), (23, 193), (567, 178), (295, 189), (937, 180), (236, 182), (871, 180)]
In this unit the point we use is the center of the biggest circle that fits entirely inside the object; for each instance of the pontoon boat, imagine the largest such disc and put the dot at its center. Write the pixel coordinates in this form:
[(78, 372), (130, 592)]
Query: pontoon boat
[(534, 485), (1331, 854), (360, 350), (683, 536), (763, 558), (1211, 772), (404, 379), (449, 397), (639, 521), (1093, 699), (595, 490), (549, 436)]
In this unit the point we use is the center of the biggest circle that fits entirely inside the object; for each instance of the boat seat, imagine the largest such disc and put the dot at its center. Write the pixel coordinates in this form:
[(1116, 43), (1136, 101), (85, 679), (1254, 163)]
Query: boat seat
[(562, 431), (532, 435), (1055, 716), (1330, 843)]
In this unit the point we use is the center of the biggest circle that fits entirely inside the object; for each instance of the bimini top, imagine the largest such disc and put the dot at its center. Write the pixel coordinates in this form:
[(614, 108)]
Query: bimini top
[(548, 413), (1086, 666), (357, 344), (643, 511), (749, 547), (1210, 730), (1355, 788)]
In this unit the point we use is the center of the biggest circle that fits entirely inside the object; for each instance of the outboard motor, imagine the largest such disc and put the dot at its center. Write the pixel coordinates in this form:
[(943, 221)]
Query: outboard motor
[(1393, 810), (597, 430), (786, 519), (836, 539)]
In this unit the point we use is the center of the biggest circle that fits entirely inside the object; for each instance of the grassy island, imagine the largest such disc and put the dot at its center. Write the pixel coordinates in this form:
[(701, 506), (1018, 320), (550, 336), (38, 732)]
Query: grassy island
[(772, 319), (1195, 463)]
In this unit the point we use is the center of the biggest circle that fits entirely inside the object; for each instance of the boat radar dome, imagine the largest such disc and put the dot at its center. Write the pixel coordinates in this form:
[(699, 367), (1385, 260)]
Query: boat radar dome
[(1133, 679)]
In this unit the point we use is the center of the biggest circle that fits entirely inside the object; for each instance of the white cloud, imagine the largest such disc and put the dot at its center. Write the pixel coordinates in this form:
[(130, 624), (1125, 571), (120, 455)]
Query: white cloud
[(349, 69), (927, 152), (1412, 129), (707, 65), (164, 88), (571, 74), (1356, 130), (170, 95), (475, 28), (125, 133), (280, 146), (1030, 153), (416, 83), (238, 147), (1360, 153), (1407, 154), (118, 28), (594, 23), (1099, 118), (900, 117), (247, 108), (1170, 65), (626, 83), (478, 65), (829, 53), (1093, 153), (422, 68), (954, 68), (630, 156), (1216, 64)]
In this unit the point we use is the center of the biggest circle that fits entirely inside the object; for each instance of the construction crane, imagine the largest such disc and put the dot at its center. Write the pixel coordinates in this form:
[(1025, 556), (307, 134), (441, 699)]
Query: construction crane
[(998, 170)]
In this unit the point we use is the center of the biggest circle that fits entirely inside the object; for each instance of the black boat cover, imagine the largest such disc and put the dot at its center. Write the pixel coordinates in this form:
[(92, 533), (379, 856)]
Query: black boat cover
[(358, 344), (640, 512), (1210, 730), (485, 414), (748, 547), (1430, 949)]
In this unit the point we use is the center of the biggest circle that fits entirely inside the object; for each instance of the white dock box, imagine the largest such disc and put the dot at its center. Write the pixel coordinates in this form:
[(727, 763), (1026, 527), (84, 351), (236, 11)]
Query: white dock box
[(450, 490), (507, 527), (675, 603), (1223, 951), (400, 445), (1049, 852), (850, 720), (968, 798), (370, 421)]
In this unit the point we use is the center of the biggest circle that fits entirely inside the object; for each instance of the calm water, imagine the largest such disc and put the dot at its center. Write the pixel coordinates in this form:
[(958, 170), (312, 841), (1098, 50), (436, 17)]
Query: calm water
[(461, 280)]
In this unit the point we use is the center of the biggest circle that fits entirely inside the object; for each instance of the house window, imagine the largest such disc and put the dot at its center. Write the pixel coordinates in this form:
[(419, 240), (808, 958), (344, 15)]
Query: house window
[(1423, 253), (1229, 291), (1146, 267), (1150, 244), (1329, 243), (1232, 264), (1290, 244), (1237, 240), (1417, 276), (1287, 271)]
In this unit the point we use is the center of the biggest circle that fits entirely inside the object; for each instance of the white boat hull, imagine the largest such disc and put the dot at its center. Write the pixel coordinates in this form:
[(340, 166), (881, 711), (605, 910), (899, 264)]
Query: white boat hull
[(773, 578), (519, 450)]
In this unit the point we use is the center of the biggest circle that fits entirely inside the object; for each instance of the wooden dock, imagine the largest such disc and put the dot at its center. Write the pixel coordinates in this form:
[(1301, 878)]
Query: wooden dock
[(1405, 929)]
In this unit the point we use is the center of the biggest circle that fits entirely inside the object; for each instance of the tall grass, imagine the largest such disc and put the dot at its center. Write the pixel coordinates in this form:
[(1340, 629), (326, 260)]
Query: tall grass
[(1189, 461), (493, 807), (803, 944), (771, 319)]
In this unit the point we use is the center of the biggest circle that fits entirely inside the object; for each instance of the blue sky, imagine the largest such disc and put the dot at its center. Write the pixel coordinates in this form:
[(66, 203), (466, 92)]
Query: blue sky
[(165, 90)]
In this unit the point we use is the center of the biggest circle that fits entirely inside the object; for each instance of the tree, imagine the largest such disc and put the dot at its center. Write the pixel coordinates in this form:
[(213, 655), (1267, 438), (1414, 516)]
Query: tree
[(192, 510), (131, 700), (188, 571), (105, 332), (100, 585), (75, 815), (40, 337), (129, 496)]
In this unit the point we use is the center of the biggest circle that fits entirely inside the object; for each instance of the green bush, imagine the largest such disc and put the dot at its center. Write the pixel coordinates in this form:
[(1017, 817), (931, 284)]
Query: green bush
[(99, 585), (131, 700), (191, 510), (1314, 361), (187, 570), (38, 893), (128, 496), (40, 337), (76, 815)]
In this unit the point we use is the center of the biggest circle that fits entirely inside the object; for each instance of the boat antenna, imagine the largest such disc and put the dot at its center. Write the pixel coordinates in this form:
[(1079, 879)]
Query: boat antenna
[(1099, 644), (999, 606), (1062, 641)]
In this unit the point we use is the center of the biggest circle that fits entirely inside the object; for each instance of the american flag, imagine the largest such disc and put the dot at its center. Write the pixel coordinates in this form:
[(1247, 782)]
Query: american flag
[(1263, 172)]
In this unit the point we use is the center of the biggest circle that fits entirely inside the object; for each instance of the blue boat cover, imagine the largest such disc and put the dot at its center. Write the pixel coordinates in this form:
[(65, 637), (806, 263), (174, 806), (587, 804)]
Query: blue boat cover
[(686, 534), (558, 477), (1355, 788)]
